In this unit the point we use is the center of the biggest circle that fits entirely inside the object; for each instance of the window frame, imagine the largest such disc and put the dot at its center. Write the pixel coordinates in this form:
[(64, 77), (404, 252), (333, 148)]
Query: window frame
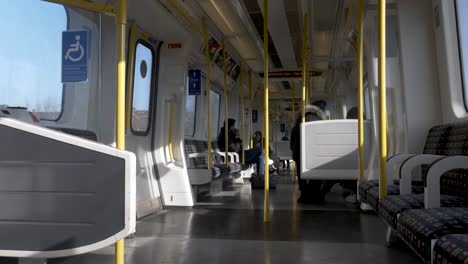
[(195, 115), (464, 86), (152, 88)]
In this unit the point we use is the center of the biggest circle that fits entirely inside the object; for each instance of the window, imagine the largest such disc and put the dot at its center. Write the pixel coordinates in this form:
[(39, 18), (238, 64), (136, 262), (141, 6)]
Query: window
[(190, 113), (214, 109), (462, 20), (30, 56), (142, 83)]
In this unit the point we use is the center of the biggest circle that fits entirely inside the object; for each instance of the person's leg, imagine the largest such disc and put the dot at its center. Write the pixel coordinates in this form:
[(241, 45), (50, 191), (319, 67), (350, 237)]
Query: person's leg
[(255, 156), (288, 164)]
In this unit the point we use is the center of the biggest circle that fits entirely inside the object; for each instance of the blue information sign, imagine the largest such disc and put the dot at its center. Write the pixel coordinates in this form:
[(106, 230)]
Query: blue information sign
[(194, 82), (75, 56), (254, 116), (283, 127)]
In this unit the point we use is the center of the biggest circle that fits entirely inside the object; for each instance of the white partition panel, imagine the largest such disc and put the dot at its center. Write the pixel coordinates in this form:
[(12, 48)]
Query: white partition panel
[(61, 195), (329, 149)]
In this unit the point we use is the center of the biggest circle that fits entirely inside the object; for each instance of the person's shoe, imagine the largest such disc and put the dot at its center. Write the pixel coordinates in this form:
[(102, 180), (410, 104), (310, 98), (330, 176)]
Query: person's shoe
[(352, 198)]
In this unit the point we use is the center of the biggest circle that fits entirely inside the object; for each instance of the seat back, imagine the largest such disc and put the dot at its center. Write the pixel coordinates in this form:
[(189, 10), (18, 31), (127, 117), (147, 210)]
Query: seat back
[(193, 146), (62, 195), (455, 182), (329, 149)]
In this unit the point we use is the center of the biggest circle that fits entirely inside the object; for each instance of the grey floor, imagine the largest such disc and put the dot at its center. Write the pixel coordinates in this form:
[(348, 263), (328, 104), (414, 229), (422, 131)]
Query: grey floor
[(229, 228)]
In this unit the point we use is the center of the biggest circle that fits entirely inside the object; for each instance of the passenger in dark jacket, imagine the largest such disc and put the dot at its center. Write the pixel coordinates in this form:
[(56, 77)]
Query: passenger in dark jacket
[(310, 189), (252, 156)]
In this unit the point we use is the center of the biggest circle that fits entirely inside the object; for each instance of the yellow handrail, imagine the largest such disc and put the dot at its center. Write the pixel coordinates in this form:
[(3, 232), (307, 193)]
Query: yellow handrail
[(383, 100), (360, 58), (266, 216), (208, 89), (187, 18), (120, 119), (348, 15), (226, 114), (304, 66), (251, 109), (90, 6), (243, 110)]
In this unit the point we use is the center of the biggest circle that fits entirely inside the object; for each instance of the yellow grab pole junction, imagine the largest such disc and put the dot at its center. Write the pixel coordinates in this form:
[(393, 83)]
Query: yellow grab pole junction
[(266, 205), (250, 110), (120, 120), (243, 110), (208, 87), (304, 66), (383, 100), (360, 96), (226, 142)]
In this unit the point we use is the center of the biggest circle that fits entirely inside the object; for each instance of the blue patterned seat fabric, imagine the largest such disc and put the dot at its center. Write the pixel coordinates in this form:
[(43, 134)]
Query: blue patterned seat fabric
[(393, 205), (419, 227), (451, 249), (436, 142)]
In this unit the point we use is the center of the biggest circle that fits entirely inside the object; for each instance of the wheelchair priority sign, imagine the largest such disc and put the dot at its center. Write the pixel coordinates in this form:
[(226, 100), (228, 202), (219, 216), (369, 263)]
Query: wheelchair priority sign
[(74, 56)]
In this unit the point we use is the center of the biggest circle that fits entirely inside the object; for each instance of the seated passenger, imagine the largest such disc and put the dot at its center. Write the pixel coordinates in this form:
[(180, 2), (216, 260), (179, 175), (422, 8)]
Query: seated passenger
[(311, 190), (252, 156)]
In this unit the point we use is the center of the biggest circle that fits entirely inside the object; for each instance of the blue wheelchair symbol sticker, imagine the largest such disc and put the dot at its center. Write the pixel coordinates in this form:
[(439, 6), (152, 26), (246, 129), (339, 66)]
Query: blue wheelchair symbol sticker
[(74, 56)]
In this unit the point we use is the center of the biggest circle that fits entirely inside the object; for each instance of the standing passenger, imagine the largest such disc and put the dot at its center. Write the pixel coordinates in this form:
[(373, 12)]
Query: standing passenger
[(310, 189)]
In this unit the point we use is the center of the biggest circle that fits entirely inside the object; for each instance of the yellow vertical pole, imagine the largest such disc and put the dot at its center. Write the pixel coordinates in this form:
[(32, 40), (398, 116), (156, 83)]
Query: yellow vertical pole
[(121, 20), (251, 109), (304, 74), (360, 46), (383, 100), (208, 88), (226, 115), (243, 110), (266, 216)]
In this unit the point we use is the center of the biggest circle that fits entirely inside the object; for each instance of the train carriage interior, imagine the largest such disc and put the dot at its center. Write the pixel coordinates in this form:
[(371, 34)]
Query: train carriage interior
[(234, 131)]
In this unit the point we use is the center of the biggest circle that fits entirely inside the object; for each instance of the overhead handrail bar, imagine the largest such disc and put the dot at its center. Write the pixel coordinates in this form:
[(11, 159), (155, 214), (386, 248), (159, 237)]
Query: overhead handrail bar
[(109, 10)]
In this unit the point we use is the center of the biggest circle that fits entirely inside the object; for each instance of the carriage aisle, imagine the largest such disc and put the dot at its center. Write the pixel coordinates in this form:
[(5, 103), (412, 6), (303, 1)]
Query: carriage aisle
[(228, 228)]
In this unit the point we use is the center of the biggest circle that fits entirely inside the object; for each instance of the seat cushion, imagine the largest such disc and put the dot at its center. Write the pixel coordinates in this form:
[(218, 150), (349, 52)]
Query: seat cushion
[(451, 249), (235, 167), (373, 193), (223, 168), (197, 163), (393, 205), (365, 186), (419, 226), (216, 172)]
